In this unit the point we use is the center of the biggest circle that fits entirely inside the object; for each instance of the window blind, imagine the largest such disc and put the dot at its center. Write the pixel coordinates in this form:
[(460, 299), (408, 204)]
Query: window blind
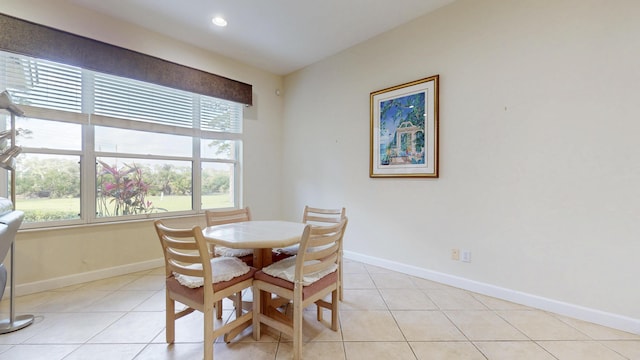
[(41, 83), (51, 85), (136, 100), (220, 115)]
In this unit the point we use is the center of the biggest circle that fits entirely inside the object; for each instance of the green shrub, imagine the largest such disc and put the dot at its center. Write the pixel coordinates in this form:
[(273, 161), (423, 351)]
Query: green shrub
[(48, 215)]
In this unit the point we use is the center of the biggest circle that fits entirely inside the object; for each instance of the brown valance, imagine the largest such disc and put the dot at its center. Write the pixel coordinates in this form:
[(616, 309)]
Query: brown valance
[(30, 39)]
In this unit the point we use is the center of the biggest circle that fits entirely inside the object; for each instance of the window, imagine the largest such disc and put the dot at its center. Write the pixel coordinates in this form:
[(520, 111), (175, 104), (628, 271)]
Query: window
[(99, 148)]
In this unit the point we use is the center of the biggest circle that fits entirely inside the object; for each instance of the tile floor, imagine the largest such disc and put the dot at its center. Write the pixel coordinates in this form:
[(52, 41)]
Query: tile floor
[(385, 315)]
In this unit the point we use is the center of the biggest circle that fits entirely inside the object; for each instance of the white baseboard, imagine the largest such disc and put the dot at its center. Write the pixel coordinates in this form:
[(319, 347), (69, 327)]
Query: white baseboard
[(558, 307), (59, 282)]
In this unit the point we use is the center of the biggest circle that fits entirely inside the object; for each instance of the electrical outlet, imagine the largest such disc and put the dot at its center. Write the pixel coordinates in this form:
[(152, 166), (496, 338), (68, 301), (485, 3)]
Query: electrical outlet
[(466, 255), (455, 254)]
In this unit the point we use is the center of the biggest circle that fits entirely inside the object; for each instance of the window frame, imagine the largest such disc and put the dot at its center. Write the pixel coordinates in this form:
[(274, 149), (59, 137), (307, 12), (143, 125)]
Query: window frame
[(88, 154)]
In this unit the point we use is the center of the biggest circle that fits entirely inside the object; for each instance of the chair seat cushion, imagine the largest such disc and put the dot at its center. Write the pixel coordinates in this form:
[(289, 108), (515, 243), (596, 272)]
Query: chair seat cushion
[(247, 259), (293, 249), (307, 290), (197, 294), (223, 269), (285, 269), (289, 250), (225, 251)]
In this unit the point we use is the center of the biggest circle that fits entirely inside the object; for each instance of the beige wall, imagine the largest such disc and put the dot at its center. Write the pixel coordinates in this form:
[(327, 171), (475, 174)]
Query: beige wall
[(539, 150), (49, 258)]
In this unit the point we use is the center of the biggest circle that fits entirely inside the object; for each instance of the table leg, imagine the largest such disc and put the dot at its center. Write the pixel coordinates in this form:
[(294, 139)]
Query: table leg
[(261, 258)]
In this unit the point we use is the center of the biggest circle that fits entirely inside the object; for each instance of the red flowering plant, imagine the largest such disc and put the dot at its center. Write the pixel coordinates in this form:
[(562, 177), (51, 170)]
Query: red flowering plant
[(122, 191)]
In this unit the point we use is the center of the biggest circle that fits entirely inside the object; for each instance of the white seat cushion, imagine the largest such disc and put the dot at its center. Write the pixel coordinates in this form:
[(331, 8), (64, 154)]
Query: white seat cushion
[(285, 269), (289, 250), (225, 251), (223, 268), (293, 249)]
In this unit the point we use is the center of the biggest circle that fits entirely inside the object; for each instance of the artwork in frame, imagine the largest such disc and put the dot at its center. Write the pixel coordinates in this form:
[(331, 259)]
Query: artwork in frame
[(404, 130)]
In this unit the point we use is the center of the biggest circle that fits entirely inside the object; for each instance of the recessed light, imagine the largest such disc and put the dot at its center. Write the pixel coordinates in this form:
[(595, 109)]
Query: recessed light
[(219, 21)]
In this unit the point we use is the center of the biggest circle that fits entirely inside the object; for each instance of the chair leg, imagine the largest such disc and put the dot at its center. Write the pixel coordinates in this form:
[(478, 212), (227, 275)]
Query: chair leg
[(170, 319), (238, 304), (340, 288), (297, 330), (334, 310), (219, 309), (256, 313), (208, 333)]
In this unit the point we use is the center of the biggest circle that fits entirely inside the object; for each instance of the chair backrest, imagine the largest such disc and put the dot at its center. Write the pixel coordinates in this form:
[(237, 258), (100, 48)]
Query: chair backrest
[(182, 249), (219, 217), (321, 243), (318, 216)]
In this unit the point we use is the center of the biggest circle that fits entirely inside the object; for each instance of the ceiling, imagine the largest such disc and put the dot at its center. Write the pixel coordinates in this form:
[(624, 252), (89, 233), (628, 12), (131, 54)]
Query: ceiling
[(279, 36)]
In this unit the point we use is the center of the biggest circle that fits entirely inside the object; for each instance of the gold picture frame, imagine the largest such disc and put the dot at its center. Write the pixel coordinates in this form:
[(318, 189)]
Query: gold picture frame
[(404, 130)]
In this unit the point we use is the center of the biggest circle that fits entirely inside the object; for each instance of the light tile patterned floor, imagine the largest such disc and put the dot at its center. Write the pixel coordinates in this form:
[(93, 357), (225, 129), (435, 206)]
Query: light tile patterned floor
[(385, 315)]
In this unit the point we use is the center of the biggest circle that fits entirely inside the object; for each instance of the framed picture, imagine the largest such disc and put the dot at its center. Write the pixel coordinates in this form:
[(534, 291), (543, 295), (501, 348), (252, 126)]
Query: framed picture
[(404, 130)]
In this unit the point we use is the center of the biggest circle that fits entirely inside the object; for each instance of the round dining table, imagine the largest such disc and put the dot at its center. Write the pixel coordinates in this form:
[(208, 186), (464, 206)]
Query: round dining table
[(260, 235)]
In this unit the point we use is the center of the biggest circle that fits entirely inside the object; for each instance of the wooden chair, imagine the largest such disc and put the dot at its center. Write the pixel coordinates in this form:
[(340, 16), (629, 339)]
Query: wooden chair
[(187, 258), (319, 217), (220, 217), (304, 279)]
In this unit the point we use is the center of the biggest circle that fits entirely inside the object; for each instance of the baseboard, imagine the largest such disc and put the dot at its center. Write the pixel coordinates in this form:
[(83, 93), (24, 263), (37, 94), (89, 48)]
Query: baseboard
[(59, 282), (558, 307)]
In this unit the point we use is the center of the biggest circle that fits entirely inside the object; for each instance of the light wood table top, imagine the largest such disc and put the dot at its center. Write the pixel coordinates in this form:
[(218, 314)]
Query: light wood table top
[(260, 235), (255, 234)]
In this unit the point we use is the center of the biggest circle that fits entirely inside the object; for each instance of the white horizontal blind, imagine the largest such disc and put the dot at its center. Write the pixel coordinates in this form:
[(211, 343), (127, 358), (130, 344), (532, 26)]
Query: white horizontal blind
[(136, 100), (51, 85), (41, 83), (220, 115)]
